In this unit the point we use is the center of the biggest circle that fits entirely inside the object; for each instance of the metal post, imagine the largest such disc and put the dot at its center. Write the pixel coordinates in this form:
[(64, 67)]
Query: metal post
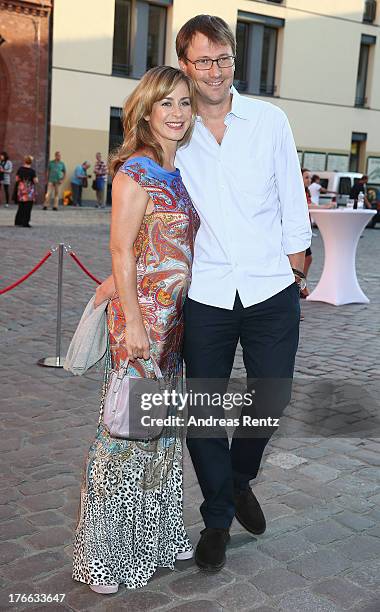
[(57, 361)]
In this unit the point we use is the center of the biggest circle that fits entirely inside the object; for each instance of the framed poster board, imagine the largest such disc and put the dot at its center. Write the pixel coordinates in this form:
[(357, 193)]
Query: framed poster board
[(337, 162), (316, 162), (373, 170)]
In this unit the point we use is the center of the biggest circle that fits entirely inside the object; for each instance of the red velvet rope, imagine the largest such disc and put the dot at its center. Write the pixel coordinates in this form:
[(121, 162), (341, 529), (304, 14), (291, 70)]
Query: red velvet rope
[(23, 278), (83, 267)]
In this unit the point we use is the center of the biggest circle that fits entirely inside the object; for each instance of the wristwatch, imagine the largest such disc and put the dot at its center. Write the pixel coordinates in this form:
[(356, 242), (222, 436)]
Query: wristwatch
[(300, 278)]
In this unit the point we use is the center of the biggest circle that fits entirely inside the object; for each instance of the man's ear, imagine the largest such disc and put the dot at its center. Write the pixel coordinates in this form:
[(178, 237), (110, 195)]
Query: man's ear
[(183, 65)]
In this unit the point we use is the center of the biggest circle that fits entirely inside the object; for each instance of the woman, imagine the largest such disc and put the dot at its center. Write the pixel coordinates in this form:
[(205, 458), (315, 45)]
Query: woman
[(26, 180), (6, 168), (131, 500), (306, 175)]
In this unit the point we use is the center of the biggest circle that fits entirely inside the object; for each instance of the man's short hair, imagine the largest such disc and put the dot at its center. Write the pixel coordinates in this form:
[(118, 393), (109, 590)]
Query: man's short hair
[(214, 28), (364, 177)]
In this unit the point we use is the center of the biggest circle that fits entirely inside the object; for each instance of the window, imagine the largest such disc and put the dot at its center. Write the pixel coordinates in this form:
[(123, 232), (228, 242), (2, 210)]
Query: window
[(256, 37), (369, 14), (139, 36), (121, 37), (361, 84)]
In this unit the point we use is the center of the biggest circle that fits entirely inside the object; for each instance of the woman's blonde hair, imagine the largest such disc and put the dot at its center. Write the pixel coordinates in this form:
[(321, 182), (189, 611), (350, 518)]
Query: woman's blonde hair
[(28, 159), (155, 85)]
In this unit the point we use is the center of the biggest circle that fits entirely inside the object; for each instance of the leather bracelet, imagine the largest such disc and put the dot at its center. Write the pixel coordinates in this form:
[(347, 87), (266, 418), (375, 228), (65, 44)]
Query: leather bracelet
[(298, 273)]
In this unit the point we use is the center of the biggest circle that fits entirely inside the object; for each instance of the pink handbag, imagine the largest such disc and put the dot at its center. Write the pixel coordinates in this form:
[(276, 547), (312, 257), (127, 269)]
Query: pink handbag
[(126, 406)]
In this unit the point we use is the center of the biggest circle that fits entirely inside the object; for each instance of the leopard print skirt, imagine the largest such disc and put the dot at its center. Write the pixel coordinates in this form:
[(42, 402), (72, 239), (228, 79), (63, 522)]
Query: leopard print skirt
[(130, 518)]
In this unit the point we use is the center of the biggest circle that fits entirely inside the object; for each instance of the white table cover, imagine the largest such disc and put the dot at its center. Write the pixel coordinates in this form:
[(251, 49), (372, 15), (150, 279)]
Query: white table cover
[(340, 230)]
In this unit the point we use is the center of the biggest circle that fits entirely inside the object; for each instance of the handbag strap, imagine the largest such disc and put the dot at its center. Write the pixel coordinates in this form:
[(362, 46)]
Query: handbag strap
[(157, 371)]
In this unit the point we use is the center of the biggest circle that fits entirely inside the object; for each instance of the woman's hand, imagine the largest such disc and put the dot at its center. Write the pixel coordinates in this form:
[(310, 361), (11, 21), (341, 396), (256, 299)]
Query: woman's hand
[(137, 341), (104, 291)]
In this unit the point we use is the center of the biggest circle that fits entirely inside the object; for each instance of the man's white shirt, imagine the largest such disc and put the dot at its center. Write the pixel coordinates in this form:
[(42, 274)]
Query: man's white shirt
[(250, 197)]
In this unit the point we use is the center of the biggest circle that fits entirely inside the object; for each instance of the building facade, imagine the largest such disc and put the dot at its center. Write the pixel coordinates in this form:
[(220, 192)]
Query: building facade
[(24, 80), (316, 59)]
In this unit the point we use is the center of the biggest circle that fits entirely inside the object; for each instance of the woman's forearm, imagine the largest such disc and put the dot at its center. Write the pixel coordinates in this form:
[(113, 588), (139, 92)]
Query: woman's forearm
[(125, 278)]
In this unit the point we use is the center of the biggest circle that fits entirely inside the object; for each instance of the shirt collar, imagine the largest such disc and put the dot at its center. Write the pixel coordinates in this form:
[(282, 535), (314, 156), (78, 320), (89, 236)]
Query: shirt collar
[(237, 106)]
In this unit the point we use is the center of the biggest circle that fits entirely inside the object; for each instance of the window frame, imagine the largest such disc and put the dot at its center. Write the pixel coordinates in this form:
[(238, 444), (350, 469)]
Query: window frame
[(138, 44), (254, 50)]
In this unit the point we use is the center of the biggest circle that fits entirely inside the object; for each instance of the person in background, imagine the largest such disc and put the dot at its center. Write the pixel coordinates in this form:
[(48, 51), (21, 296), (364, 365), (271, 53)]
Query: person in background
[(78, 181), (55, 175), (100, 172), (306, 175), (360, 186), (26, 180), (316, 188), (6, 168)]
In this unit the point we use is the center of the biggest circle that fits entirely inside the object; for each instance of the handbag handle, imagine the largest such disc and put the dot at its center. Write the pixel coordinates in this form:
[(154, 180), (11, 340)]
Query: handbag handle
[(156, 368)]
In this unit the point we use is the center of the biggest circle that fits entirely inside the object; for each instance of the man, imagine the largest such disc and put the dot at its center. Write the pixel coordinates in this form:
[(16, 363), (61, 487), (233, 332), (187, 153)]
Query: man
[(100, 172), (358, 187), (55, 175), (242, 171), (78, 181)]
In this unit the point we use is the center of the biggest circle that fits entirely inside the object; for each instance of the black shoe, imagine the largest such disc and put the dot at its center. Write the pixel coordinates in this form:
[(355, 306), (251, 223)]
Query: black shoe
[(248, 512), (210, 554), (44, 208)]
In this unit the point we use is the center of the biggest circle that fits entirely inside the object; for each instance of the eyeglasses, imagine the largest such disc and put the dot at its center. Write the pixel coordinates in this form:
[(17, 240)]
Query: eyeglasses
[(207, 63)]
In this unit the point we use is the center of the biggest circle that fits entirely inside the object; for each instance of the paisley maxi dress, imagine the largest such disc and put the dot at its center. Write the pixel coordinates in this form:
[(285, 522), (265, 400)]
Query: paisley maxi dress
[(130, 519)]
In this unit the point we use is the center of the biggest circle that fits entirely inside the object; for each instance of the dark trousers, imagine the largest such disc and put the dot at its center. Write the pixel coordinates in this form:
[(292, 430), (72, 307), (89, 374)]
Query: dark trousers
[(23, 213), (6, 191), (77, 194), (268, 333)]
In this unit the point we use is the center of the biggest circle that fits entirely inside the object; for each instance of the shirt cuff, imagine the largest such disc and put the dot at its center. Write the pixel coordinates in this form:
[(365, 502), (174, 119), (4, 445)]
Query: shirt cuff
[(296, 245)]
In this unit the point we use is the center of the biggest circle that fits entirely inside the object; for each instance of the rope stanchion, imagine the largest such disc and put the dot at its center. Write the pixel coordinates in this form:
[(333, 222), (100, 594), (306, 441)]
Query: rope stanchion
[(23, 278), (83, 267), (57, 361)]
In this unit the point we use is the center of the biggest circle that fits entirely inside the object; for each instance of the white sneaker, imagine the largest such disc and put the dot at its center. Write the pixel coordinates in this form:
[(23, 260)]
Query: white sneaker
[(103, 589), (184, 555)]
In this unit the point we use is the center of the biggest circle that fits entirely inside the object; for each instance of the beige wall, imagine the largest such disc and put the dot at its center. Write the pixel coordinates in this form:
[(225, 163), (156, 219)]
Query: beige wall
[(316, 69)]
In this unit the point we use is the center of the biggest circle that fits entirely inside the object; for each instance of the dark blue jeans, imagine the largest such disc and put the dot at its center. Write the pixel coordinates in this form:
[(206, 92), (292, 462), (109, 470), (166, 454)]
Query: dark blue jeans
[(268, 333)]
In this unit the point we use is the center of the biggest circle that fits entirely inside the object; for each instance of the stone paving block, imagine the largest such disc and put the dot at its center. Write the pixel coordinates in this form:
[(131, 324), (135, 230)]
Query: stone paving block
[(200, 583), (360, 548), (8, 511), (320, 564), (284, 524), (342, 592), (46, 518), (299, 500), (277, 581), (10, 551), (354, 521), (320, 472), (287, 547), (304, 601), (44, 501), (240, 596), (274, 511), (205, 605), (34, 565), (50, 538), (325, 532), (249, 562), (15, 528), (140, 601)]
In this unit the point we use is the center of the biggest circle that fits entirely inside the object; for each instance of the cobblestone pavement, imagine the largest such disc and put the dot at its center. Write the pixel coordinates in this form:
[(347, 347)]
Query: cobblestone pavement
[(321, 495)]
